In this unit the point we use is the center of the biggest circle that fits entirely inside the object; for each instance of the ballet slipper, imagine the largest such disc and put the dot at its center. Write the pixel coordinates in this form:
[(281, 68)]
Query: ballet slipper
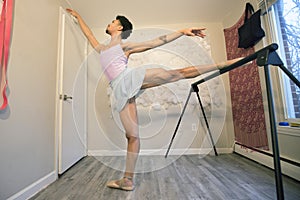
[(122, 184)]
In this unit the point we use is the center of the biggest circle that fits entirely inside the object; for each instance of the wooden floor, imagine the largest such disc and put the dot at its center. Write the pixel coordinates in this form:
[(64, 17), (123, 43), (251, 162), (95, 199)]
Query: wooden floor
[(224, 177)]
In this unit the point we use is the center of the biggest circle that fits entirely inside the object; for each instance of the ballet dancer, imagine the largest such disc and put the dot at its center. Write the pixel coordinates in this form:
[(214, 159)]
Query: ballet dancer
[(126, 83)]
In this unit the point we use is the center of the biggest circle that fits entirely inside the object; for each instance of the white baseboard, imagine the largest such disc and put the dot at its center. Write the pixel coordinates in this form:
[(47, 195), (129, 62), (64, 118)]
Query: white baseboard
[(35, 187), (160, 152), (286, 168)]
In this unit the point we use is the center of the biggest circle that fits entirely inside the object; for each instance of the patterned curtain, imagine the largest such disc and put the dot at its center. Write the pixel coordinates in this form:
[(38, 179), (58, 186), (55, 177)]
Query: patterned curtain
[(246, 95)]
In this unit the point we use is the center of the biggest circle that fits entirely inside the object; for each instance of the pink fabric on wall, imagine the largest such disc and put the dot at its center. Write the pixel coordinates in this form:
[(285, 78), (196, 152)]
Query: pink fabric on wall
[(5, 36), (246, 94)]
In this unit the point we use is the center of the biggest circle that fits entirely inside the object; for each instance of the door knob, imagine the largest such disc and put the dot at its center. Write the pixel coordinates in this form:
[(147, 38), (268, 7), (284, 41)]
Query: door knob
[(65, 97)]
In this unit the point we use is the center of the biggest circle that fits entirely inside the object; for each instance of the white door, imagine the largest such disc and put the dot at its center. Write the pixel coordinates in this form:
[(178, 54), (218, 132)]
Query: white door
[(71, 93)]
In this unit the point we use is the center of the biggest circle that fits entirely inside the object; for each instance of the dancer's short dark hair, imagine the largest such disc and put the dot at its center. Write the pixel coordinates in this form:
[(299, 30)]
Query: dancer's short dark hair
[(127, 26)]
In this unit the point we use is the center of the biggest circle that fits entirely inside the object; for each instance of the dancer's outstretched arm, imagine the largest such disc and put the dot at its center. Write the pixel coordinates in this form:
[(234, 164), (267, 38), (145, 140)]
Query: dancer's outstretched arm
[(86, 31), (131, 47)]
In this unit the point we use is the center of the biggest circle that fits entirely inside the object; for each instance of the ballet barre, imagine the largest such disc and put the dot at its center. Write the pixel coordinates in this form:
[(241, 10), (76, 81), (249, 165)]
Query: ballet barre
[(264, 57)]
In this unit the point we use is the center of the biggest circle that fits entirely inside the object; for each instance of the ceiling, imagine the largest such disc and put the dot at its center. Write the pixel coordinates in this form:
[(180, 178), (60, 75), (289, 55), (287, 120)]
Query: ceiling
[(99, 13)]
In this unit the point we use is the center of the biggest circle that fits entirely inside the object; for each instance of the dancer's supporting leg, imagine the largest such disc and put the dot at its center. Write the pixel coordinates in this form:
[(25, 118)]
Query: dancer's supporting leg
[(159, 76), (129, 120)]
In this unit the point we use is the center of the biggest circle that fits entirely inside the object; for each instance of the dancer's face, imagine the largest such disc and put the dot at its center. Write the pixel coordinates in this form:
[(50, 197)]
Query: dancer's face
[(113, 27)]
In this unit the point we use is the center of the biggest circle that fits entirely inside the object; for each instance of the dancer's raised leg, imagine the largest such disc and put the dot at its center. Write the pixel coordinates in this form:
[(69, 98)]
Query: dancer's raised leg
[(159, 76)]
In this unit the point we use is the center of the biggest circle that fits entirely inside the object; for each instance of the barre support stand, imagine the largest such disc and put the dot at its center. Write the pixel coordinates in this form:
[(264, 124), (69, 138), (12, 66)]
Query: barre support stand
[(196, 90)]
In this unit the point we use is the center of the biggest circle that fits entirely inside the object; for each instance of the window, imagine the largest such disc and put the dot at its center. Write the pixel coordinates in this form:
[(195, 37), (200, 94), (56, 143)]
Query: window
[(285, 16)]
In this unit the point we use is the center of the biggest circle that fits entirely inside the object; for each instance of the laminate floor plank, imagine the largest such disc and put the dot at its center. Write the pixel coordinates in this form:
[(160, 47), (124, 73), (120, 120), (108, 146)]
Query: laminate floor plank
[(191, 177)]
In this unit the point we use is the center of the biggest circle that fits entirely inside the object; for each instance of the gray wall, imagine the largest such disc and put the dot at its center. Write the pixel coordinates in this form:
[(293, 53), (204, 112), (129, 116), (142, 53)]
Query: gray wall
[(27, 127)]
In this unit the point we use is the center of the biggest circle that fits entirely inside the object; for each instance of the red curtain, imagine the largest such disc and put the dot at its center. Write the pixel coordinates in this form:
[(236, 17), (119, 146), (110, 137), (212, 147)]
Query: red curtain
[(246, 94)]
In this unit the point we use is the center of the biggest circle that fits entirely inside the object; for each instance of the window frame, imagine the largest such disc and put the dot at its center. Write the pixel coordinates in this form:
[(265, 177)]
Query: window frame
[(272, 24)]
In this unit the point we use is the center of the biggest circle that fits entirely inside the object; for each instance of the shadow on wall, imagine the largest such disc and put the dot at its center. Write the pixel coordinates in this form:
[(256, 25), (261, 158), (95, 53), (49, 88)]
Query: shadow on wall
[(4, 114)]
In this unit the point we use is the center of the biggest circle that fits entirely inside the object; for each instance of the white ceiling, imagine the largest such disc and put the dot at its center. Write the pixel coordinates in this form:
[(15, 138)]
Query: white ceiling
[(98, 13)]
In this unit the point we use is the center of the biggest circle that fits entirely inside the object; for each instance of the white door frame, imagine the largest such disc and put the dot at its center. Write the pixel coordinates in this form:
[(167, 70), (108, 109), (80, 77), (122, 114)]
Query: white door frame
[(59, 90)]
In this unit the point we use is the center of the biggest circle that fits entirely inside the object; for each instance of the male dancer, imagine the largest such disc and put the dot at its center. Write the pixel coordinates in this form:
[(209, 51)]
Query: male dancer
[(126, 83)]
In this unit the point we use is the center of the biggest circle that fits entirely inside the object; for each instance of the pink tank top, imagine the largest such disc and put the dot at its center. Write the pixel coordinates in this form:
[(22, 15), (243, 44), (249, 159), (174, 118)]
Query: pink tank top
[(113, 61)]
